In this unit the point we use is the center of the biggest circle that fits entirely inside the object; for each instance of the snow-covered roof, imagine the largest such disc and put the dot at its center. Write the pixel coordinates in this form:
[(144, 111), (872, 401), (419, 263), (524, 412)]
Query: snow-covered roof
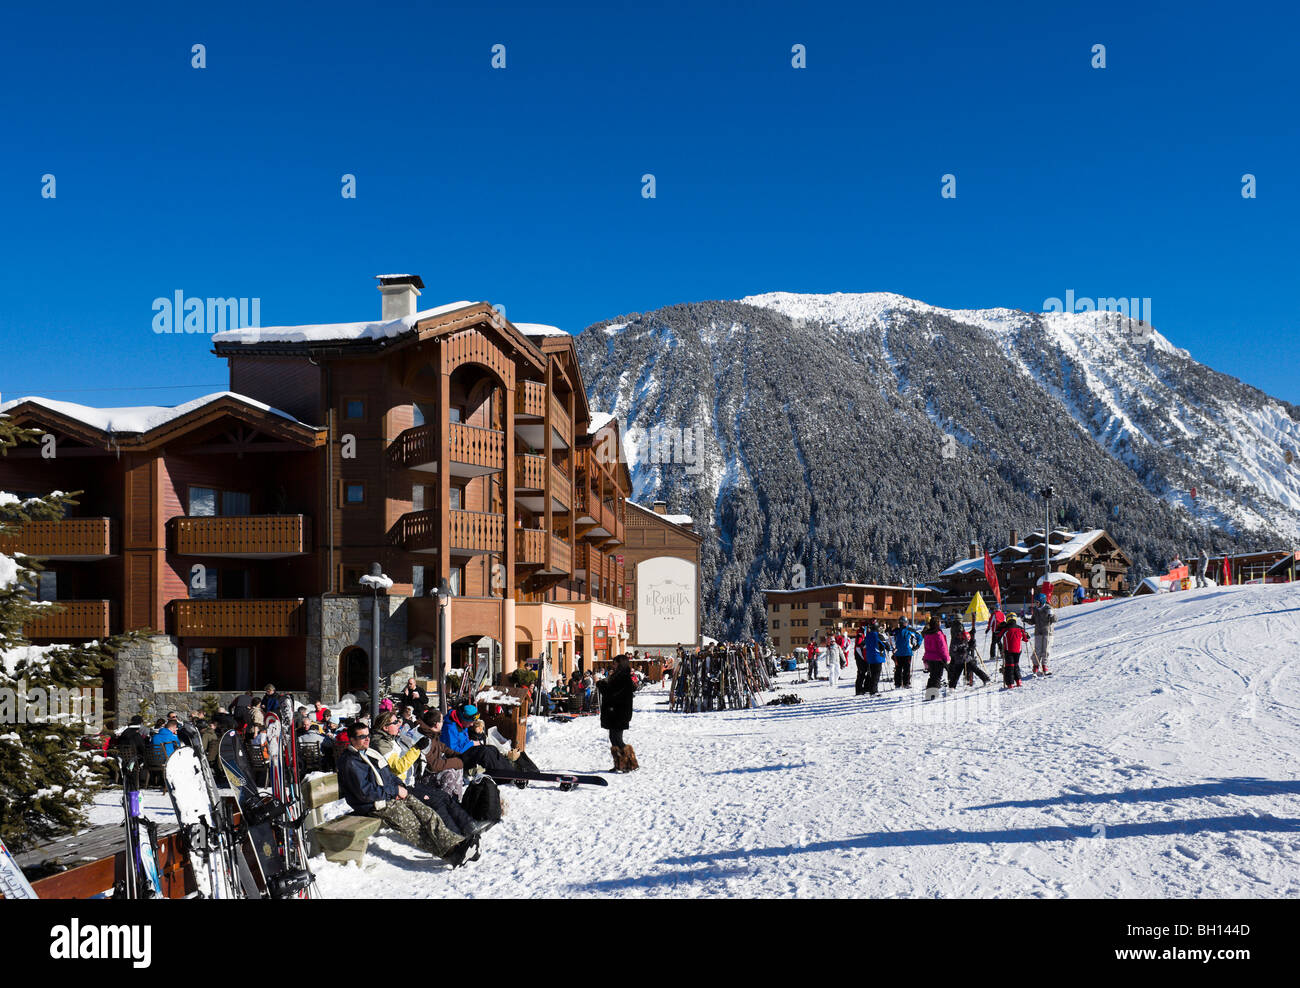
[(540, 329), (678, 519), (138, 418), (1066, 545), (1062, 578), (598, 421), (855, 586), (338, 331)]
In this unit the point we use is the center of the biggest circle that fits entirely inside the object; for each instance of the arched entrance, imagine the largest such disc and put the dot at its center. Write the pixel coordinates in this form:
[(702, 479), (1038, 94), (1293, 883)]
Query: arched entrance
[(354, 670), (478, 657)]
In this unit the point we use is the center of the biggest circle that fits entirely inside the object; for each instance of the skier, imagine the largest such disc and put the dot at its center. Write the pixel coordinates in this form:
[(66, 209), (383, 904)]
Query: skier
[(860, 660), (878, 648), (1043, 619), (1204, 568), (906, 640), (973, 667), (812, 657), (834, 656), (995, 620), (1012, 639), (616, 713), (935, 657), (957, 652)]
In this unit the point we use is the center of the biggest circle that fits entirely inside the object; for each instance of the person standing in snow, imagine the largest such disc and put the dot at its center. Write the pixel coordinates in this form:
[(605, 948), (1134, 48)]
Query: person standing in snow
[(1012, 639), (860, 660), (935, 657), (1043, 619), (996, 619), (834, 656), (906, 641), (616, 713), (877, 655), (812, 657), (1204, 568)]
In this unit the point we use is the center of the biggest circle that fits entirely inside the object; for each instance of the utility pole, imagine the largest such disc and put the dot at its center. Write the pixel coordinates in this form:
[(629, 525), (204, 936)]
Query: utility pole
[(1047, 493)]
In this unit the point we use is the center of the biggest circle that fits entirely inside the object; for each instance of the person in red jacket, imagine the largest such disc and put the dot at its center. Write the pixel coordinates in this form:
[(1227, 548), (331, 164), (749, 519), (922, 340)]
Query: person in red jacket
[(1012, 639)]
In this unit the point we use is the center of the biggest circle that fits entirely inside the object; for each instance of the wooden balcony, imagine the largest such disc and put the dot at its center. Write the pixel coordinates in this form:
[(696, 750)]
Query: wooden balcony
[(76, 619), (597, 521), (530, 472), (561, 556), (67, 539), (476, 532), (530, 400), (530, 547), (530, 485), (561, 489), (255, 618), (560, 421), (242, 536), (472, 450)]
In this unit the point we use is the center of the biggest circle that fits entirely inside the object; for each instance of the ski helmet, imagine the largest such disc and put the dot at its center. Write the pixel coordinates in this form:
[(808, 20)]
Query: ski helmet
[(1012, 619), (1041, 598)]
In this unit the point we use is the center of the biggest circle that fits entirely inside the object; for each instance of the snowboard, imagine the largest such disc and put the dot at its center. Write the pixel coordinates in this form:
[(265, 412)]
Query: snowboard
[(259, 813), (205, 825), (567, 780), (13, 883)]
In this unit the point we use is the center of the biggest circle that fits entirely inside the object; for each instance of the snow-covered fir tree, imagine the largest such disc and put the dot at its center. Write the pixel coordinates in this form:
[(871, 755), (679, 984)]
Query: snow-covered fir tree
[(45, 779)]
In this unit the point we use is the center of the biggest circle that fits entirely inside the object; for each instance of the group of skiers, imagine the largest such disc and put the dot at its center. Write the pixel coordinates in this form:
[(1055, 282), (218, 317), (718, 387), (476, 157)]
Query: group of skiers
[(956, 653)]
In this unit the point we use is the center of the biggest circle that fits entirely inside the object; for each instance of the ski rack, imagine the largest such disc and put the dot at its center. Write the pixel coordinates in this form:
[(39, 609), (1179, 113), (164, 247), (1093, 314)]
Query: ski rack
[(719, 677)]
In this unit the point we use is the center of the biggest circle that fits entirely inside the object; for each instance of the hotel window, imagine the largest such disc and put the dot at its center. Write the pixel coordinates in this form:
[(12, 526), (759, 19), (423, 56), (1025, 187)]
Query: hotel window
[(354, 408), (206, 502), (775, 625), (417, 581), (354, 492)]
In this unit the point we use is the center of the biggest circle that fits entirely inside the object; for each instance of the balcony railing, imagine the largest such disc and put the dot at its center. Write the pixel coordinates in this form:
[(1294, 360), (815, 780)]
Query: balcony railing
[(256, 618), (76, 619), (478, 531), (530, 547), (530, 471), (560, 420), (560, 487), (67, 538), (561, 556), (473, 450), (249, 536), (530, 400)]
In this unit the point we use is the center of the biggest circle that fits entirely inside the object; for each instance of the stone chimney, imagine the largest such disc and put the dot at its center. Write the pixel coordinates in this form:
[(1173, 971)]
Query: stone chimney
[(661, 507), (974, 550), (399, 292), (1015, 538)]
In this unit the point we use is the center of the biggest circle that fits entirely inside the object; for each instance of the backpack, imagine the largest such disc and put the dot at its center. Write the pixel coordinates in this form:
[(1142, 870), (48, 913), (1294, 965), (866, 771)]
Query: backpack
[(482, 799)]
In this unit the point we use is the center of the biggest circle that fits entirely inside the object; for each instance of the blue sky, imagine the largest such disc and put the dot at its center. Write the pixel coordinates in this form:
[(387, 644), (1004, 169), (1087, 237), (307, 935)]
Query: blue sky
[(522, 186)]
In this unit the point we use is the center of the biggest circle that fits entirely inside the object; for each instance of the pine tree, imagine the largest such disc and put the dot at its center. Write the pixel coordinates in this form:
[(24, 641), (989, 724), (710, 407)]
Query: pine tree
[(45, 780)]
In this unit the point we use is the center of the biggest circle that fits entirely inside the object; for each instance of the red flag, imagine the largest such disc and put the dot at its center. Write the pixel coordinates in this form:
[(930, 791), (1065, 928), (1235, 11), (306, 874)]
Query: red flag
[(1226, 578), (991, 575)]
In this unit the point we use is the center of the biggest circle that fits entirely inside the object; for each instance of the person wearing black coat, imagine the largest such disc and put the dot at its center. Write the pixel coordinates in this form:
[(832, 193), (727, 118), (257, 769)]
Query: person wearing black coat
[(616, 712)]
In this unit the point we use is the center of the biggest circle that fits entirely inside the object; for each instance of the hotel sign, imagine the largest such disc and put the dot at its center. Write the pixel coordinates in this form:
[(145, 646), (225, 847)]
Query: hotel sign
[(666, 606)]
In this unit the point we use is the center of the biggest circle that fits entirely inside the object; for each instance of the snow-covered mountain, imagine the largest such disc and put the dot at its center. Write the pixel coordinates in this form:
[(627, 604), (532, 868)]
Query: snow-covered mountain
[(858, 435)]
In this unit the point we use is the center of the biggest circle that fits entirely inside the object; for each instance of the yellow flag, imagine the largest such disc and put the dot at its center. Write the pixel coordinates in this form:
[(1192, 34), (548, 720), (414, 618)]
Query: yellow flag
[(977, 607)]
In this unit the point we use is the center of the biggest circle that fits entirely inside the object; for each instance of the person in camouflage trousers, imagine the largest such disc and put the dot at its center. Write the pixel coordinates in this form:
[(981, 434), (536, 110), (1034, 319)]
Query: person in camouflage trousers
[(371, 789)]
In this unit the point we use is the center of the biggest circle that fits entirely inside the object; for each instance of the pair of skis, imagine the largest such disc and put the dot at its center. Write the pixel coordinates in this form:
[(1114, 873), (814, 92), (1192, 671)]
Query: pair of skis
[(566, 780), (13, 883), (141, 878)]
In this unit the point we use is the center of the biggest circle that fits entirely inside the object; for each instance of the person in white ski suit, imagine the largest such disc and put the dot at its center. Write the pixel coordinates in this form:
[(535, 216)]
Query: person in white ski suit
[(834, 655), (1042, 619), (1203, 569)]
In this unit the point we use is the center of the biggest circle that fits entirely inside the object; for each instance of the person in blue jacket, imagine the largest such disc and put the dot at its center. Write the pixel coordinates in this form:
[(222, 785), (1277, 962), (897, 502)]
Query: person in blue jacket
[(878, 648), (906, 640), (455, 735)]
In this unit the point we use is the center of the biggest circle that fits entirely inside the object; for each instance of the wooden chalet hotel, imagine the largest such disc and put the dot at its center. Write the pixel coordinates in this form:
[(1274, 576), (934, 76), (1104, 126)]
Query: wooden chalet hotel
[(445, 444)]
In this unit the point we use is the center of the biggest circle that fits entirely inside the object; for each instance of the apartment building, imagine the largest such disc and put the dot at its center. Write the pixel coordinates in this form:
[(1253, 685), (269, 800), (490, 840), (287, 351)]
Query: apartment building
[(448, 445), (794, 616)]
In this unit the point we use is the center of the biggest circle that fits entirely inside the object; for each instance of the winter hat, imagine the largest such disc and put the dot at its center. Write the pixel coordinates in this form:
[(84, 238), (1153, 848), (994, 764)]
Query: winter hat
[(469, 710)]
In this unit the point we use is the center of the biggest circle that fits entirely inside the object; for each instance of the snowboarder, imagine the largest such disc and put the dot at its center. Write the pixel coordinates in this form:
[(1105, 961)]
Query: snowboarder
[(1012, 638), (906, 641), (935, 656), (1043, 619)]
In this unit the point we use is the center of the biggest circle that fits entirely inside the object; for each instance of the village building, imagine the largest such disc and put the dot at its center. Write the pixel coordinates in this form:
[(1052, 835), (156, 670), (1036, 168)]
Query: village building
[(795, 615), (662, 555), (449, 446), (1089, 559)]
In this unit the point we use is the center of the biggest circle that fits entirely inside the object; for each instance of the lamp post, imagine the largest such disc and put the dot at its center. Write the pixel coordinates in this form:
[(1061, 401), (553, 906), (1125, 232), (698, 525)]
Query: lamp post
[(376, 582), (1047, 493), (444, 604), (913, 593)]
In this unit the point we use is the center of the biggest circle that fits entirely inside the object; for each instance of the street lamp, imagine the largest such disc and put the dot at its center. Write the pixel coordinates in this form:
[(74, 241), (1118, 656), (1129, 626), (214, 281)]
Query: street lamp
[(377, 582), (444, 605), (1047, 493)]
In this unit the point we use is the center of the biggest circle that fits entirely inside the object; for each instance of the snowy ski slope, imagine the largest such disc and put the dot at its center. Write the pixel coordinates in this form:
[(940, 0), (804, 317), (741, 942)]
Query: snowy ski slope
[(1158, 761)]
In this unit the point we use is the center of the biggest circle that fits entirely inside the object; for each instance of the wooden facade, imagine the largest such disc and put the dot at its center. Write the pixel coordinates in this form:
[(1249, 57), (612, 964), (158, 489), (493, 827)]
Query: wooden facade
[(458, 451), (1093, 559)]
